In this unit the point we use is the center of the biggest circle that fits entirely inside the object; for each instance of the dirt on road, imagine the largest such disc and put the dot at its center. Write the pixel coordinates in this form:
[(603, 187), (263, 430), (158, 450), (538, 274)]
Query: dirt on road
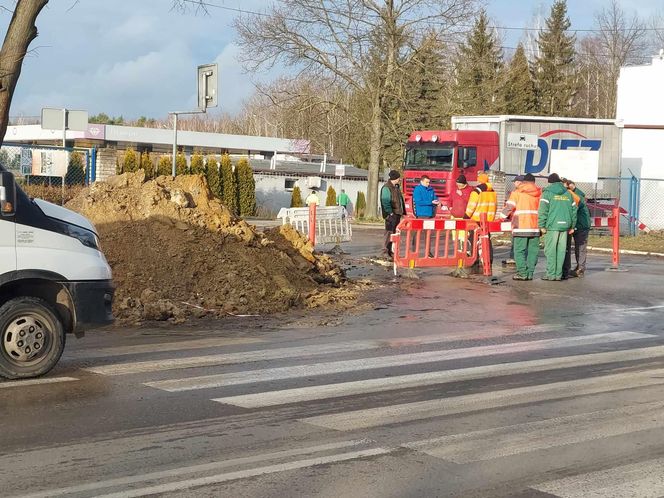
[(176, 252)]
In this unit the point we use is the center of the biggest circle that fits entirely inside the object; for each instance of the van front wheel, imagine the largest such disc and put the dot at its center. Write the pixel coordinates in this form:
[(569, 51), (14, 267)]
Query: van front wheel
[(31, 338)]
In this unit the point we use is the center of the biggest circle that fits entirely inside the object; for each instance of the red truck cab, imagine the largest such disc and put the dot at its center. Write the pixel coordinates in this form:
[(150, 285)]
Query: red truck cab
[(443, 155)]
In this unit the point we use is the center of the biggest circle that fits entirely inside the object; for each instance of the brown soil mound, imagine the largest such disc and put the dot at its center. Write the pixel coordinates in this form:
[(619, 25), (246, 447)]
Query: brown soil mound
[(176, 252)]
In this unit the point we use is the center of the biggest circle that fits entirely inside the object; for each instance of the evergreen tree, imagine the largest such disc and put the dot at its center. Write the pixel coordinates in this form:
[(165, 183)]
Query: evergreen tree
[(246, 188), (75, 170), (180, 164), (360, 205), (479, 66), (165, 166), (519, 94), (331, 199), (555, 74), (228, 184), (296, 198), (130, 161), (197, 164), (212, 175), (147, 165)]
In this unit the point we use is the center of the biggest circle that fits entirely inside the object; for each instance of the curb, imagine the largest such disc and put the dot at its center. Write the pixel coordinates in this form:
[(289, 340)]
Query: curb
[(627, 251)]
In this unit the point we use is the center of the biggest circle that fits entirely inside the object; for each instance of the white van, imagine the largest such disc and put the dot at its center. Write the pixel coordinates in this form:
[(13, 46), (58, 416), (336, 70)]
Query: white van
[(54, 280)]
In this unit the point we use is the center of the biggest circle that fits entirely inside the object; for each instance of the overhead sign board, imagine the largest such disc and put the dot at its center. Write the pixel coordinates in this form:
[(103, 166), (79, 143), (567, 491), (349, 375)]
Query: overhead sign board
[(207, 86), (527, 141), (580, 166), (64, 119)]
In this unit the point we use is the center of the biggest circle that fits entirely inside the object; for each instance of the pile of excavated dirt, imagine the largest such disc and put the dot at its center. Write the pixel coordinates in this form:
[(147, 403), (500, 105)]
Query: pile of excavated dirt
[(177, 252)]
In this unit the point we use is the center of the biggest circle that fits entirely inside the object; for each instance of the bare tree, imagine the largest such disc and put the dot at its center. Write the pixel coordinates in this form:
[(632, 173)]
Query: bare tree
[(362, 45), (20, 33)]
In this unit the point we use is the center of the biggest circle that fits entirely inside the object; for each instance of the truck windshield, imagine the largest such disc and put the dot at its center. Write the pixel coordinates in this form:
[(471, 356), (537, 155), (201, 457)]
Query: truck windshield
[(429, 158)]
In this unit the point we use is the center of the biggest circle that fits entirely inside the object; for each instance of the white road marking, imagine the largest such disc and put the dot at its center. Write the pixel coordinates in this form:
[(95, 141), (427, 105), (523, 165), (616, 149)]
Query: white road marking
[(374, 417), (532, 436), (243, 474), (160, 347), (281, 353), (297, 395), (637, 480), (34, 382), (271, 374), (206, 467)]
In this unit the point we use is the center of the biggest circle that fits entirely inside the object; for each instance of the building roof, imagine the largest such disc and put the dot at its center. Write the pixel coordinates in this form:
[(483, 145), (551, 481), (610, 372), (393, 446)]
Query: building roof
[(134, 134)]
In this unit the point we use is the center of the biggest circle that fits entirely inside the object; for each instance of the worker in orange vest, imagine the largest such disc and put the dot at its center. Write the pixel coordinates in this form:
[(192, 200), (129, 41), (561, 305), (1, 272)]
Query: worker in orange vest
[(521, 208), (483, 199)]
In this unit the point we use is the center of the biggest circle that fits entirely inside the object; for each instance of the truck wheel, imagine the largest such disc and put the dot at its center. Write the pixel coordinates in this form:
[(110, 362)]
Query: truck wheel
[(31, 338)]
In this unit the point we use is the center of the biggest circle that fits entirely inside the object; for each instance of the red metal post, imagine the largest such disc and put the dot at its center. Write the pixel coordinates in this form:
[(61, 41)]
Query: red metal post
[(312, 223), (486, 245), (616, 238)]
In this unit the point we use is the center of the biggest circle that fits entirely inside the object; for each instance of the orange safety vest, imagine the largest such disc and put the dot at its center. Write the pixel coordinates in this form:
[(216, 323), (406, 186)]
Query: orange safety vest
[(483, 199), (522, 206)]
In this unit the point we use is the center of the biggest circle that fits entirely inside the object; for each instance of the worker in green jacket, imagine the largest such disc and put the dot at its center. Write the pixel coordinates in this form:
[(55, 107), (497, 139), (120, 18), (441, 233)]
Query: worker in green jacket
[(580, 235), (556, 220)]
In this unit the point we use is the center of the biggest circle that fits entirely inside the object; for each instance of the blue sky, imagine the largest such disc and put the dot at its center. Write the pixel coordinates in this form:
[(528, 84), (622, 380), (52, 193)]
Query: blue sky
[(133, 58)]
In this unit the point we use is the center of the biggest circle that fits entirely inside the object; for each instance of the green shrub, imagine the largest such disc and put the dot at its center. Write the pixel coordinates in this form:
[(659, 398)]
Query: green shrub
[(246, 188), (130, 161), (212, 175), (331, 199), (180, 164), (75, 170), (165, 166), (360, 205), (296, 198), (147, 165), (228, 184), (197, 164)]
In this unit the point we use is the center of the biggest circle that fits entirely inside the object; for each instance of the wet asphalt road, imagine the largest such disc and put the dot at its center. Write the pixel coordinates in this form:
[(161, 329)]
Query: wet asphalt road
[(441, 387)]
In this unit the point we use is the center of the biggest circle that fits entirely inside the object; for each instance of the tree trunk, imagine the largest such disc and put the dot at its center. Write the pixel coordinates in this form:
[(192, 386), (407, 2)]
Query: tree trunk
[(375, 147), (20, 33)]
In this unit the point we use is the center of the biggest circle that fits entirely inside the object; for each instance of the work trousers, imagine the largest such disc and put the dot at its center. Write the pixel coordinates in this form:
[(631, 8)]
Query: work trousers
[(555, 246), (391, 223), (580, 251), (526, 253)]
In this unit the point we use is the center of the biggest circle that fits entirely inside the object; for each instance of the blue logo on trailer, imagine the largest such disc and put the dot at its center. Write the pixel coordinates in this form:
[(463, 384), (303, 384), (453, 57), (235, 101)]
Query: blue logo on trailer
[(557, 144)]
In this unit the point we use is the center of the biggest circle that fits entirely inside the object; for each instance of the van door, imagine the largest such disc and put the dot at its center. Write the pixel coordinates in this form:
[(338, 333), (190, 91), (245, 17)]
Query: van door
[(7, 226)]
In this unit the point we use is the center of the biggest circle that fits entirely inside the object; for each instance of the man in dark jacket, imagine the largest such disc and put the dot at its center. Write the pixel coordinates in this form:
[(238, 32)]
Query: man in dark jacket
[(557, 218), (392, 207), (580, 235)]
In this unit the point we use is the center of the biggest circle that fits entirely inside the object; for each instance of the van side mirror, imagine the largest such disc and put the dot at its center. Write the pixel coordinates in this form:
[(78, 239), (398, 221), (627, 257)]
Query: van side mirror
[(7, 194), (466, 154)]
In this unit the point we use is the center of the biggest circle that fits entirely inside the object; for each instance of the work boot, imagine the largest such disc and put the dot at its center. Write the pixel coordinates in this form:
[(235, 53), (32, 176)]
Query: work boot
[(519, 277)]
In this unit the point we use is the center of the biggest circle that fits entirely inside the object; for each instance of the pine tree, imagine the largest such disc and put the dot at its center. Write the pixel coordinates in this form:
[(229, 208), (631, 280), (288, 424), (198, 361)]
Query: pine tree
[(331, 199), (555, 74), (197, 164), (130, 161), (479, 66), (519, 94), (147, 165), (180, 164), (246, 188), (75, 170), (165, 166), (360, 205), (228, 184), (212, 175), (296, 198)]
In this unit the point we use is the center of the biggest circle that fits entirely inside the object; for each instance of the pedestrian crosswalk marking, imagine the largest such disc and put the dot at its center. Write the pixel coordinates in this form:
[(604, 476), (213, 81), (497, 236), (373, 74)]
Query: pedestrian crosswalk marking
[(34, 382), (637, 480), (271, 374), (301, 394), (278, 353), (532, 436), (406, 412)]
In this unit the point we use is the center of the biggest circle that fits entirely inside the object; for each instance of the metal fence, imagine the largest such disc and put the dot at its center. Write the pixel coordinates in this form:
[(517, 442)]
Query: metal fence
[(55, 174)]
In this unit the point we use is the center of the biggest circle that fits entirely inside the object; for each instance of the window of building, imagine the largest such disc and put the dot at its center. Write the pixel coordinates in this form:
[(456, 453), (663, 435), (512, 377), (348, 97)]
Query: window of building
[(289, 184)]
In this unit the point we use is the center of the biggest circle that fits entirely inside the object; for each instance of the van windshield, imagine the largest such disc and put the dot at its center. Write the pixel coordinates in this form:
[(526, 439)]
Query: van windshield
[(429, 158)]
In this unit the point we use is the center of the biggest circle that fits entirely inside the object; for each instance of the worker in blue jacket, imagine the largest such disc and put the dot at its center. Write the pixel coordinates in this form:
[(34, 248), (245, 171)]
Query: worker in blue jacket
[(425, 199)]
